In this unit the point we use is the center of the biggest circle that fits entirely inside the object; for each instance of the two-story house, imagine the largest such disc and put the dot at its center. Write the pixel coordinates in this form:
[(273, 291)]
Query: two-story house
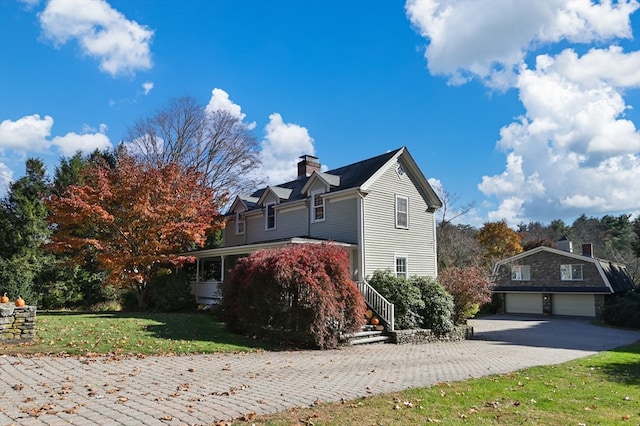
[(558, 281), (380, 209)]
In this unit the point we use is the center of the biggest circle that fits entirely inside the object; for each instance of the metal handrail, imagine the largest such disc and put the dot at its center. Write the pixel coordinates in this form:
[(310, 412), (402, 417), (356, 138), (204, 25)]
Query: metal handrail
[(378, 303)]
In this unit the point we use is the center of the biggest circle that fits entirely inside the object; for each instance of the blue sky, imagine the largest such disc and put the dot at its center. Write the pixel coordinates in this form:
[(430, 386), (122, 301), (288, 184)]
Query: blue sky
[(529, 109)]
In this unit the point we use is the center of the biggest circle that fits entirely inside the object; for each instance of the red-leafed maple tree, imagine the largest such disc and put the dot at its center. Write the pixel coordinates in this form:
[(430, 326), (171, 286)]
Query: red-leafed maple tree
[(133, 219), (299, 294)]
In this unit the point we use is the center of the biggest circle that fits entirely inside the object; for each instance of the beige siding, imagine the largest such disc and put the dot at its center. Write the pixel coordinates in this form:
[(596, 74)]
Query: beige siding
[(383, 240), (230, 237), (341, 221)]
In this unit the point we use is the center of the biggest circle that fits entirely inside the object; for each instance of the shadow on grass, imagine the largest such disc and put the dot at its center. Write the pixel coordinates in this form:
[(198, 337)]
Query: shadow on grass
[(625, 365), (187, 326)]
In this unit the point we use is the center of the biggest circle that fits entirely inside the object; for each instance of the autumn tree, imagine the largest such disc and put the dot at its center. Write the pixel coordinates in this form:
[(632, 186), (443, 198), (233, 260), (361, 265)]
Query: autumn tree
[(499, 241), (470, 288), (215, 143), (133, 219)]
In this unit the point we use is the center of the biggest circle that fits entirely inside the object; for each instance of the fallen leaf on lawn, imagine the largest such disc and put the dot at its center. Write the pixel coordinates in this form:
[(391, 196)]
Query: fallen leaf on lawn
[(248, 417), (627, 398)]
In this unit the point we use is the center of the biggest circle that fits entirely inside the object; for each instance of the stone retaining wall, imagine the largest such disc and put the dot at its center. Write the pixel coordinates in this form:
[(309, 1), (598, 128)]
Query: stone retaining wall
[(17, 324), (402, 337)]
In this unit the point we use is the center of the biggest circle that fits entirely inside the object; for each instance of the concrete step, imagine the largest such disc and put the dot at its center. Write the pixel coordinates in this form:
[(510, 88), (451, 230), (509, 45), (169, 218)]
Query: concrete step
[(380, 338), (367, 335)]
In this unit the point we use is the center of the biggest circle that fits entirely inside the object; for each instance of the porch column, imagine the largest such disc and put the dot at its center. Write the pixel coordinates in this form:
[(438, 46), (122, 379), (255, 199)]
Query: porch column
[(222, 268)]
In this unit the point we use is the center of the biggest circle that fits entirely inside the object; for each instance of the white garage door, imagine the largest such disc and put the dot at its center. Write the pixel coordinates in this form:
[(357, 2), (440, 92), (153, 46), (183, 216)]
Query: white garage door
[(581, 305), (523, 303)]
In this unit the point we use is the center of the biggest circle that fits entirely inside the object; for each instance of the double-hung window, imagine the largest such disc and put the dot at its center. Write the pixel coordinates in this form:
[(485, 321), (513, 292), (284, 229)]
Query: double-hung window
[(270, 217), (520, 272), (571, 272), (317, 206), (402, 266), (239, 224), (402, 212)]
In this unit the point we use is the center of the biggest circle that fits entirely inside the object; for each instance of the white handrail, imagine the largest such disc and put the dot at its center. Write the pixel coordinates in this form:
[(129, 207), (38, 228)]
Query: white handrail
[(378, 303)]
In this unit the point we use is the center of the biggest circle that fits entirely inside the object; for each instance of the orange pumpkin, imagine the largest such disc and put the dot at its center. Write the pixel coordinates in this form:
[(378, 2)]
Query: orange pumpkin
[(4, 299), (375, 321), (369, 314), (20, 301)]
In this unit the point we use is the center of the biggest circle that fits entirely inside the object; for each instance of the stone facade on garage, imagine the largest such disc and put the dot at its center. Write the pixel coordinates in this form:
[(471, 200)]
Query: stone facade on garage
[(599, 278)]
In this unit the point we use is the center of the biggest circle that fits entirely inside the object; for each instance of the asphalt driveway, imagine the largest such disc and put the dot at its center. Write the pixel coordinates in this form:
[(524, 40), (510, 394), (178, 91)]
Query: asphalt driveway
[(203, 389)]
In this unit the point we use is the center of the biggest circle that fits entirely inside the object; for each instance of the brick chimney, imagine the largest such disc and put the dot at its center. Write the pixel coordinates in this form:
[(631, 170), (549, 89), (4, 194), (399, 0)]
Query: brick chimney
[(587, 249), (307, 165)]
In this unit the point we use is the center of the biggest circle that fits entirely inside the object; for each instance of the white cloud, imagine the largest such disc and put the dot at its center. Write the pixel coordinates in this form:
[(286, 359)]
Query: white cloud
[(489, 40), (122, 46), (29, 133), (220, 102), (72, 142), (6, 177), (147, 86), (573, 151), (32, 133), (282, 146)]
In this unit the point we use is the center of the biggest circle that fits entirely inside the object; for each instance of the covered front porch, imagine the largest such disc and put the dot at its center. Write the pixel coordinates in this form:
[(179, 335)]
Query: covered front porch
[(213, 265)]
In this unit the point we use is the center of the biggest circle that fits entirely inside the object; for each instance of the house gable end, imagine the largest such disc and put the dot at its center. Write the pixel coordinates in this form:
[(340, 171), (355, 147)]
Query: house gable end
[(403, 158)]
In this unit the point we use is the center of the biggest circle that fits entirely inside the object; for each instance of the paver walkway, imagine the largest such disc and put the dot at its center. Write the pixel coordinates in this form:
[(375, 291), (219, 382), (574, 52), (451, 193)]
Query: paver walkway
[(203, 389)]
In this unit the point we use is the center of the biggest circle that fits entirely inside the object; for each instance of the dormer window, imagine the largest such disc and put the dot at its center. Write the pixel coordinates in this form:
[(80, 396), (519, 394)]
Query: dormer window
[(270, 216), (239, 224), (317, 206)]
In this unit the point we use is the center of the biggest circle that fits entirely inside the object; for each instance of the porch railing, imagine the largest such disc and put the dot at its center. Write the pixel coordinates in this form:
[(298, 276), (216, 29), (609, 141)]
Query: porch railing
[(379, 304)]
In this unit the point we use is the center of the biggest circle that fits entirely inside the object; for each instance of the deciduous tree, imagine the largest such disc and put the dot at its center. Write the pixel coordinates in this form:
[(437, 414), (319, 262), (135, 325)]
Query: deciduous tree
[(499, 241), (470, 288), (133, 219), (217, 144)]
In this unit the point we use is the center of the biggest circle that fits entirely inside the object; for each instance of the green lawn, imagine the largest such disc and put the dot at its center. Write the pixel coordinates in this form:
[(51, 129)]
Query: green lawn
[(603, 389), (131, 333)]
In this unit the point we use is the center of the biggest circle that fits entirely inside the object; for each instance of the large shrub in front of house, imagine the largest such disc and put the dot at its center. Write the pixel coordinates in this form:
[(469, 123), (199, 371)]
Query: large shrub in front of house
[(301, 295), (623, 310), (437, 313), (419, 302), (404, 295)]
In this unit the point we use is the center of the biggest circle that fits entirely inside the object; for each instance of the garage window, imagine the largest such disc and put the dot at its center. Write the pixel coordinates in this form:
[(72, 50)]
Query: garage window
[(520, 273), (571, 272)]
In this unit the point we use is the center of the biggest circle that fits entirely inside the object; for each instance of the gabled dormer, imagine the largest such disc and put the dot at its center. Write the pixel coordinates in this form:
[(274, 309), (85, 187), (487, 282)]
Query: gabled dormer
[(239, 206)]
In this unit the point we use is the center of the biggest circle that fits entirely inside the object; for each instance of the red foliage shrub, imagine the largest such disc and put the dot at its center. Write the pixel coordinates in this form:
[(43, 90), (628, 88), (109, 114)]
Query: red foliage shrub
[(299, 294), (470, 288)]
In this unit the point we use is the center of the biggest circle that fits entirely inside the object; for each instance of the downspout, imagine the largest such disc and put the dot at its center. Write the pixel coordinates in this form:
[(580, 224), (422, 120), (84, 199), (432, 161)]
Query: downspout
[(361, 249), (435, 242)]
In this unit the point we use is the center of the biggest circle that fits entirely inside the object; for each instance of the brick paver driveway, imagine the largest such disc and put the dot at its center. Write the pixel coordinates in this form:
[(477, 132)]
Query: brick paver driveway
[(203, 389)]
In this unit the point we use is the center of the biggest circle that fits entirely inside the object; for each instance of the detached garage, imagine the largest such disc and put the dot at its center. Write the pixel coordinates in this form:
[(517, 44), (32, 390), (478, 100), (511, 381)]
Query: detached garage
[(549, 281)]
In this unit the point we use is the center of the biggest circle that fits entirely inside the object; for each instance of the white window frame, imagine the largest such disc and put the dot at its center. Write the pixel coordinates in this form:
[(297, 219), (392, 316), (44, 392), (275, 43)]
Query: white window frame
[(571, 272), (240, 221), (401, 274), (315, 208), (405, 213), (267, 207), (520, 273)]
